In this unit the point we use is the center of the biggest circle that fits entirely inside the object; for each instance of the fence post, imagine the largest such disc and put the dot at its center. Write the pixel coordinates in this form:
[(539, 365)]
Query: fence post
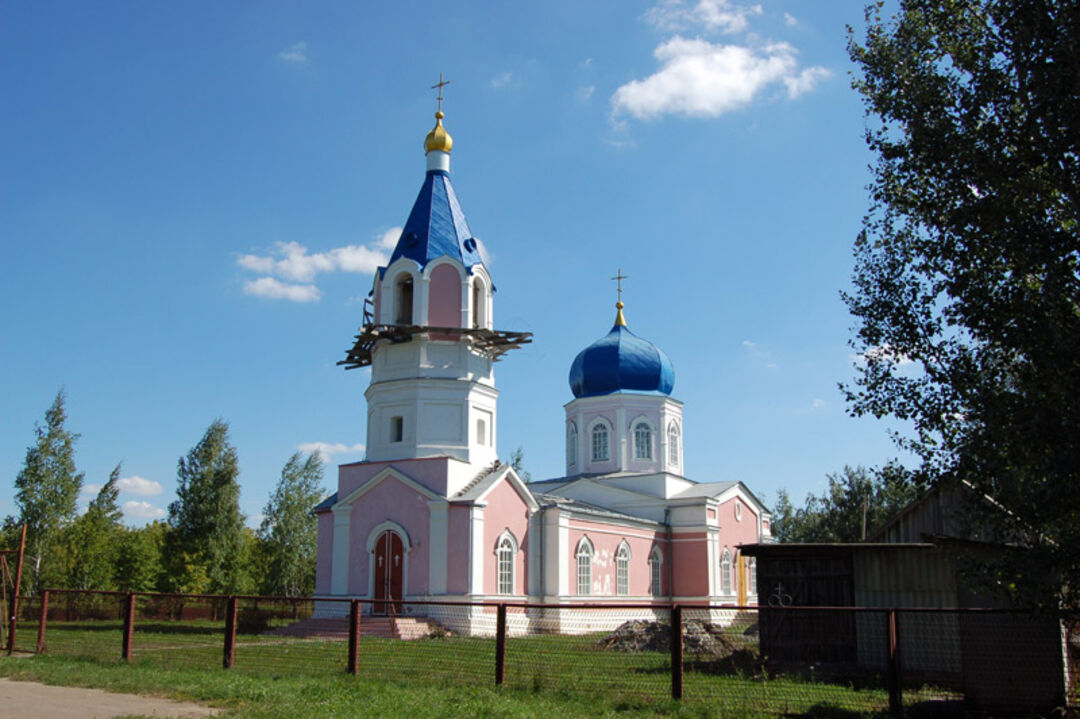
[(129, 625), (676, 652), (354, 637), (41, 622), (230, 634), (896, 696), (500, 644)]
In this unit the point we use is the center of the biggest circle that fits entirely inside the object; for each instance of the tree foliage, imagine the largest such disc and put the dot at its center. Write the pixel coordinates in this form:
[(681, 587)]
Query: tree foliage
[(47, 487), (857, 502), (206, 544), (92, 540), (288, 534), (966, 284)]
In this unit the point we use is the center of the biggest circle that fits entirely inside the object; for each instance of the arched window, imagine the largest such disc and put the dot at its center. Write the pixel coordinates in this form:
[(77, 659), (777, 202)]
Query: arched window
[(673, 443), (403, 294), (738, 511), (600, 451), (725, 572), (478, 303), (656, 576), (571, 445), (505, 553), (751, 575), (622, 569), (584, 566), (642, 441)]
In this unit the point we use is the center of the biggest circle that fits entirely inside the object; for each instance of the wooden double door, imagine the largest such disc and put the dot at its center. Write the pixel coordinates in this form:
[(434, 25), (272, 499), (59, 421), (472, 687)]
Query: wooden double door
[(389, 573)]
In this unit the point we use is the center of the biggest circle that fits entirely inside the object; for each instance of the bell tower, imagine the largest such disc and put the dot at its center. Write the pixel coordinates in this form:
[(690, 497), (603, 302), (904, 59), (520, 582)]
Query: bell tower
[(428, 332)]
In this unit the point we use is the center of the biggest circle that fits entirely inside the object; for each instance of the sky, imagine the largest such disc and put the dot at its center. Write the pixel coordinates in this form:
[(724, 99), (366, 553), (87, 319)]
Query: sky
[(194, 197)]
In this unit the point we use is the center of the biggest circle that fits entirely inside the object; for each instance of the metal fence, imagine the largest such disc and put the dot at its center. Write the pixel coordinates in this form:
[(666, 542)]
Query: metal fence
[(775, 660)]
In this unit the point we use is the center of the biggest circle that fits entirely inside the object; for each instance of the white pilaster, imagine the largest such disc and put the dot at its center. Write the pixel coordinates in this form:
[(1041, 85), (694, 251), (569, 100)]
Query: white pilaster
[(339, 568), (476, 550), (438, 542)]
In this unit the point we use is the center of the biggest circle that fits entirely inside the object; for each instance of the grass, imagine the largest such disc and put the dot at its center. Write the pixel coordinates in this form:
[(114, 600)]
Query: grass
[(546, 675)]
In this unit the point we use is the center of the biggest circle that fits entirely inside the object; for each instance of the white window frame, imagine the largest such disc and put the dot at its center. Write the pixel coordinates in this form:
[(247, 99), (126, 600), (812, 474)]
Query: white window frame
[(506, 548), (584, 555), (643, 440), (656, 572), (738, 511), (673, 435), (622, 569), (751, 575), (595, 441), (725, 572), (571, 445)]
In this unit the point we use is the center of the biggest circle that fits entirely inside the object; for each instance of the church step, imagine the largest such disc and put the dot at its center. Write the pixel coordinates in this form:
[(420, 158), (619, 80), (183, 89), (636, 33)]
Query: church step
[(338, 628)]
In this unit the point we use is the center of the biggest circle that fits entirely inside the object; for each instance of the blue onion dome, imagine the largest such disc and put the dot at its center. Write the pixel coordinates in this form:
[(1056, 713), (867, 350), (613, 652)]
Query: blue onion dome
[(621, 361)]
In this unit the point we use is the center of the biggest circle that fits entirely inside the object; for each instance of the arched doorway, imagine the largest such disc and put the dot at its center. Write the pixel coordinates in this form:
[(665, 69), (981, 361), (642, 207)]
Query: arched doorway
[(389, 572)]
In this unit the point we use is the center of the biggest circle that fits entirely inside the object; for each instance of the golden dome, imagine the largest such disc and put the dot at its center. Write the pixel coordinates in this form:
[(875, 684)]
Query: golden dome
[(438, 138)]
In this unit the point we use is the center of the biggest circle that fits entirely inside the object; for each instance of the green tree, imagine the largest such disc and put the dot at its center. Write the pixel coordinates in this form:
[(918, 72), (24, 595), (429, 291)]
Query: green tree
[(91, 541), (47, 487), (139, 566), (966, 284), (517, 461), (288, 534), (857, 502), (206, 542)]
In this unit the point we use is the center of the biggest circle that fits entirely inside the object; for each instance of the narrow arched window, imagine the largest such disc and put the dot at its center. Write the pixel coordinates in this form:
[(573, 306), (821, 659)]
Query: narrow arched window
[(725, 572), (622, 570), (403, 293), (673, 443), (477, 303), (505, 554), (751, 575), (600, 452), (584, 567), (571, 445), (642, 441), (656, 576)]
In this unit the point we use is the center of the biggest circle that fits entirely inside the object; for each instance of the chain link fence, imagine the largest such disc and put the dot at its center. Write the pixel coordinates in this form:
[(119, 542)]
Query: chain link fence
[(774, 660)]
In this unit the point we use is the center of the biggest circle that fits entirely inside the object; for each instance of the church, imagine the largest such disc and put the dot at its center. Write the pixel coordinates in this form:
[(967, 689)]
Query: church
[(432, 514)]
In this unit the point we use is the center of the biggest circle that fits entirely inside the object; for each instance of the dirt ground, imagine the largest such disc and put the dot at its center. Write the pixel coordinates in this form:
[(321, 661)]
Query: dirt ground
[(29, 700)]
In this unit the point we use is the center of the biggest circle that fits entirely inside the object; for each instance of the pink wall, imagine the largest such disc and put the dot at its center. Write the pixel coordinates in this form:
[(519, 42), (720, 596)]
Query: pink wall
[(428, 471), (734, 532), (444, 305), (325, 553), (457, 553), (505, 510), (606, 539), (390, 500), (691, 564)]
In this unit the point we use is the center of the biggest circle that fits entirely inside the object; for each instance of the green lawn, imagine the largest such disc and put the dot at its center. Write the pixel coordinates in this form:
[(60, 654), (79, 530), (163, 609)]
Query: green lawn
[(546, 675)]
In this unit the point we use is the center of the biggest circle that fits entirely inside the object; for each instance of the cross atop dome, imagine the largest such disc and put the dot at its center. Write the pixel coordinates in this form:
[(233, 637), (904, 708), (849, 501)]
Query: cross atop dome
[(620, 321), (439, 140)]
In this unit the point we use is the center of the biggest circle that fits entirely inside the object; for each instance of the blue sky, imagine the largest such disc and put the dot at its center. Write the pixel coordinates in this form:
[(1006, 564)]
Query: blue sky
[(193, 197)]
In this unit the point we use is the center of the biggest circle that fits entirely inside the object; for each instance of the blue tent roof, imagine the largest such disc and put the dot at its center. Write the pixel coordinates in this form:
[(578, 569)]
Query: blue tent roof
[(436, 226), (621, 361)]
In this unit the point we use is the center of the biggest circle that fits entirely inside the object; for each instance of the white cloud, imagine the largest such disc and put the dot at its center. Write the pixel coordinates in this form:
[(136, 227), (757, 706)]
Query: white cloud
[(89, 489), (326, 449), (584, 93), (586, 62), (698, 78), (276, 290), (291, 260), (818, 403), (295, 53), (142, 510), (139, 486), (790, 20), (749, 344), (759, 353), (388, 240), (503, 79), (712, 15)]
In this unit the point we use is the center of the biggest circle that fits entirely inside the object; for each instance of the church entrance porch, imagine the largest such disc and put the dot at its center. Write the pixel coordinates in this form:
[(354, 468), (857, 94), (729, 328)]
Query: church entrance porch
[(388, 572)]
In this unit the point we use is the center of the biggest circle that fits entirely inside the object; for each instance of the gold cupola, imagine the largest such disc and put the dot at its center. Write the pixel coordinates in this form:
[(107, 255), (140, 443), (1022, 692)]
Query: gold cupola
[(438, 139)]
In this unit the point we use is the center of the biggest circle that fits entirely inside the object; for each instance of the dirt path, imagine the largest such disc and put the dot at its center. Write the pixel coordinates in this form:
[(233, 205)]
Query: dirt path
[(29, 700)]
